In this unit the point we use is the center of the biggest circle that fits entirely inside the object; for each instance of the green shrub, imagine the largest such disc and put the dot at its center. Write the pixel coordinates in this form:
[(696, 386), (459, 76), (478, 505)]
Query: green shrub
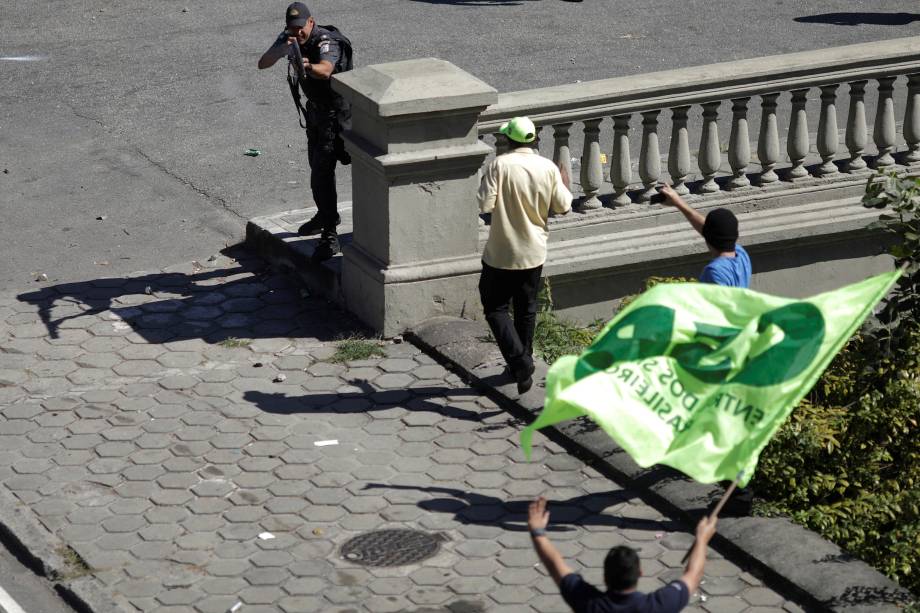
[(847, 462)]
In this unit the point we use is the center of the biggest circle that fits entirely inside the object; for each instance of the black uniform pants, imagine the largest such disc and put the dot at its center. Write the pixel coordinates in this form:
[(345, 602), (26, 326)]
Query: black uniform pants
[(500, 289), (322, 137)]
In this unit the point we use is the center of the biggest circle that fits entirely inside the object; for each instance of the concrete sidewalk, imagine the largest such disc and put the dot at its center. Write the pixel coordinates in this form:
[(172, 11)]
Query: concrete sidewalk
[(154, 428)]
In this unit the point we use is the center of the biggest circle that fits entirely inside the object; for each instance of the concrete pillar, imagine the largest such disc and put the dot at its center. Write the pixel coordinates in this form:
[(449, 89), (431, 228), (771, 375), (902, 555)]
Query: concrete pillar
[(415, 160), (592, 171), (739, 145), (768, 142), (649, 157), (621, 167), (679, 150), (710, 156)]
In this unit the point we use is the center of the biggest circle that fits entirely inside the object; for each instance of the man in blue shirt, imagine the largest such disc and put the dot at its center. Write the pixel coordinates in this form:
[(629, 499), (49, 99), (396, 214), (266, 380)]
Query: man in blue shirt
[(731, 265), (621, 573)]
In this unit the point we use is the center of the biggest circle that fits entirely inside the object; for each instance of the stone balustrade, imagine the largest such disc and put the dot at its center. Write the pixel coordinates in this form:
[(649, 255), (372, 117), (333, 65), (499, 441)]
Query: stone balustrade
[(731, 87), (420, 135)]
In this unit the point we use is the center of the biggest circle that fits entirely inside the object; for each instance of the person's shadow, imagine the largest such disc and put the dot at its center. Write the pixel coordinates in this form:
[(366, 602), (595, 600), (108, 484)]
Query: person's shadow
[(370, 399), (857, 19), (477, 2), (243, 300), (481, 509)]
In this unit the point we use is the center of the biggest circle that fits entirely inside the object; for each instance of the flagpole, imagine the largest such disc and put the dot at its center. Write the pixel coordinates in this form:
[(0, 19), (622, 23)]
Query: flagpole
[(715, 511)]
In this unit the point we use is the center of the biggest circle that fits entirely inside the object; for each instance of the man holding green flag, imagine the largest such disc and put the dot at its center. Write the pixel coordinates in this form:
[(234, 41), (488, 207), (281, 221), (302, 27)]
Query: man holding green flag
[(699, 377)]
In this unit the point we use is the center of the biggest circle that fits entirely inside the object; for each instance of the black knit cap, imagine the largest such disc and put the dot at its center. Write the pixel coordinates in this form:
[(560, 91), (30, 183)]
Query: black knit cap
[(721, 229), (297, 14)]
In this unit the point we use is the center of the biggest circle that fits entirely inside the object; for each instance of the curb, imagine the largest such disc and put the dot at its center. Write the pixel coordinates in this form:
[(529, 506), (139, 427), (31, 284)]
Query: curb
[(39, 550), (798, 562)]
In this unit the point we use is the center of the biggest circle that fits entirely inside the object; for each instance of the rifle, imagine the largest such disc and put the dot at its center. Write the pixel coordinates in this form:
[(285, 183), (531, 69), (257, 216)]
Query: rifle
[(295, 61)]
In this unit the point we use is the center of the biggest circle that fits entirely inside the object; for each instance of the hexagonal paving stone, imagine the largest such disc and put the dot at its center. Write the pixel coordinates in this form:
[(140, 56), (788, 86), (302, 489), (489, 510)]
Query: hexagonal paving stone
[(198, 463)]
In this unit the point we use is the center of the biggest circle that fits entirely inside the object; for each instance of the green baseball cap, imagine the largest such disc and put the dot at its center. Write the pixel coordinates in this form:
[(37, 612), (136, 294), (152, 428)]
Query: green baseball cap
[(519, 129)]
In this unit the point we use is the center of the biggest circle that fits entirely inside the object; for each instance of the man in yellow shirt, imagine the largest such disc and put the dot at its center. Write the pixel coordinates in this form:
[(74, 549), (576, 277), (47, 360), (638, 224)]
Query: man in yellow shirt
[(520, 189)]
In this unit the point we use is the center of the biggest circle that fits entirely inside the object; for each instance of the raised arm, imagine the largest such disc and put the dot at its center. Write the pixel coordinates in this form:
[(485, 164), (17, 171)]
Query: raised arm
[(693, 574), (672, 198), (537, 520), (561, 200), (278, 50)]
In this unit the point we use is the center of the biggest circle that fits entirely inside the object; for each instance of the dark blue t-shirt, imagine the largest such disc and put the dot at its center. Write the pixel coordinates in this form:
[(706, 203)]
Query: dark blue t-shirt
[(731, 272), (585, 598)]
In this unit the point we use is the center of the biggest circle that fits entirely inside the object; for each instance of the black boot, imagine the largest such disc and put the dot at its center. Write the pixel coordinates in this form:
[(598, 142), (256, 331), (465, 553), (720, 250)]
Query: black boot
[(524, 377), (328, 246), (315, 225)]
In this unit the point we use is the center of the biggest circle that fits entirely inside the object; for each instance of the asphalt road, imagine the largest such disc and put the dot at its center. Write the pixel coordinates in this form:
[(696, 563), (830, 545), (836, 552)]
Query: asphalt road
[(122, 124)]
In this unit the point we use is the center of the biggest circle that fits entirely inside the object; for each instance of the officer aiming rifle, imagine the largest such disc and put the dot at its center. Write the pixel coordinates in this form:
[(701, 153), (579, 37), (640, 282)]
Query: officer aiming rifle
[(316, 53), (295, 61)]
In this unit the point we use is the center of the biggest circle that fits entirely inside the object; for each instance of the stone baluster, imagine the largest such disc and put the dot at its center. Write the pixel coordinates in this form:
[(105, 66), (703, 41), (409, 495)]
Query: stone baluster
[(562, 155), (710, 156), (827, 130), (739, 145), (679, 150), (912, 119), (797, 140), (620, 168), (856, 127), (592, 172), (649, 156), (884, 132), (768, 139)]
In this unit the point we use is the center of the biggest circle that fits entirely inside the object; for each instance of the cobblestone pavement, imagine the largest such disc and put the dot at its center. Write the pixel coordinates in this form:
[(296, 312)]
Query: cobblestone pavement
[(159, 424)]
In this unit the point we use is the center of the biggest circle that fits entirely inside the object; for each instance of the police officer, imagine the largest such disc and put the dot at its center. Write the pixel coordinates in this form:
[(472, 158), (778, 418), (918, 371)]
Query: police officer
[(325, 52)]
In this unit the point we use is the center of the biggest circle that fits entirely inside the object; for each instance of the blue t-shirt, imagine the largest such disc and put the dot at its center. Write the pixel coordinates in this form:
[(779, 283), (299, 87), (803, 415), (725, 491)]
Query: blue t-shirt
[(585, 598), (731, 272)]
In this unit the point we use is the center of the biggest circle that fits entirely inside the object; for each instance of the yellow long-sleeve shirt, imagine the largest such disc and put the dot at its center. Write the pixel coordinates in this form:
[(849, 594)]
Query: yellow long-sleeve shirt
[(520, 188)]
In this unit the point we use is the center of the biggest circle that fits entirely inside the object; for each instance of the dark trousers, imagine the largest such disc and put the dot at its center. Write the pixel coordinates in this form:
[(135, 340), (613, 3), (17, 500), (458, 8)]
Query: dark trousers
[(322, 137), (500, 289)]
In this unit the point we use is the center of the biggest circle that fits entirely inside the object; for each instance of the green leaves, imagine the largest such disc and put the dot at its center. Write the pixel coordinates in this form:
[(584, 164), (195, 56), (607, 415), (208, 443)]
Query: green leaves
[(847, 464)]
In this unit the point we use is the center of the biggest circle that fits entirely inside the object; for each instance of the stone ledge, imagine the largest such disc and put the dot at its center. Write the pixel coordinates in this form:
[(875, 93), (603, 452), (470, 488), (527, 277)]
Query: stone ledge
[(22, 535), (274, 238), (807, 567)]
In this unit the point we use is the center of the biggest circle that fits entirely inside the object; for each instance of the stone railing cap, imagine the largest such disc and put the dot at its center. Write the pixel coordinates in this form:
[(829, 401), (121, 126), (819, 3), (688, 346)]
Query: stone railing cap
[(410, 87), (696, 84)]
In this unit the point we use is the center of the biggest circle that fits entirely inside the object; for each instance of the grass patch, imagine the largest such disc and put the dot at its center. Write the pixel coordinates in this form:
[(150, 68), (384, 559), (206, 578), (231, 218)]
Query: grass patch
[(75, 565), (353, 349), (234, 343), (554, 337)]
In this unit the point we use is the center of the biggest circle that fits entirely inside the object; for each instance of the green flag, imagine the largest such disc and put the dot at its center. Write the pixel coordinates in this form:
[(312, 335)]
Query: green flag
[(699, 377)]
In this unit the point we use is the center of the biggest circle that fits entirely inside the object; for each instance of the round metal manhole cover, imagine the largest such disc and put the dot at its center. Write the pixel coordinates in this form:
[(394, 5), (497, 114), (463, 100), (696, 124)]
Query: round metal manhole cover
[(391, 547)]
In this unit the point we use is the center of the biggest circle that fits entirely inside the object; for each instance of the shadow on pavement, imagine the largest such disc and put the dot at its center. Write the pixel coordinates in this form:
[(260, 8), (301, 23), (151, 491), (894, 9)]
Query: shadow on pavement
[(482, 509), (370, 399), (242, 300), (477, 2), (857, 19)]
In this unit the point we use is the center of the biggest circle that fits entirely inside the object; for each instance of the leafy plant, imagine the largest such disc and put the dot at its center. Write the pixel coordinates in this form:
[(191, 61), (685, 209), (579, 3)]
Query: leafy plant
[(555, 337), (847, 462), (355, 348)]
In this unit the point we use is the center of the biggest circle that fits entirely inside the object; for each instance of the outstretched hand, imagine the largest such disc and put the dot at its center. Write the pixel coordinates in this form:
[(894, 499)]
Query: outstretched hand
[(670, 196), (537, 515)]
